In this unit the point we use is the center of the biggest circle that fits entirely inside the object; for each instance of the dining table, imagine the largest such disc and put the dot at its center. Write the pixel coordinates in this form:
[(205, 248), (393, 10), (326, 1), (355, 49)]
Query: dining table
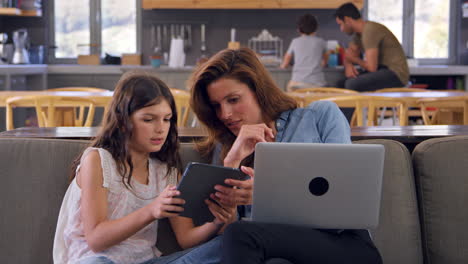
[(410, 98), (410, 136)]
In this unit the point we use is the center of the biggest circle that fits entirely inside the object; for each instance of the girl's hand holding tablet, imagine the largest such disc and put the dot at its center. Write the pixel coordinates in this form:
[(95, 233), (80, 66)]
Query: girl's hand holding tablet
[(166, 205)]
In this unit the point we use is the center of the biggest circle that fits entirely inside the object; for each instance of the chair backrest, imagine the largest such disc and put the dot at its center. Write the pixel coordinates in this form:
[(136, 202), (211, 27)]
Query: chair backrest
[(441, 171), (324, 90), (182, 101), (46, 105), (83, 89), (401, 90), (377, 102), (398, 236), (358, 102), (430, 115)]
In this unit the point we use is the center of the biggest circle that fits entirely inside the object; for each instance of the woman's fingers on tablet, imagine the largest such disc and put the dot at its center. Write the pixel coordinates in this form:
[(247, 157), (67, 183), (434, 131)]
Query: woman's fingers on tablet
[(226, 198), (247, 184), (217, 211), (248, 170), (223, 203)]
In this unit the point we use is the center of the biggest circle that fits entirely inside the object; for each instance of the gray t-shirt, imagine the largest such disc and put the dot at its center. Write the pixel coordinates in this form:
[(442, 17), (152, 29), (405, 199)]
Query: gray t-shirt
[(308, 53)]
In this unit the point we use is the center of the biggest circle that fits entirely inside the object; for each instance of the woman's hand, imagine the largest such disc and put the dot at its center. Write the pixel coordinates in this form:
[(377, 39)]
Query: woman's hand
[(224, 213), (244, 145), (165, 205), (240, 194)]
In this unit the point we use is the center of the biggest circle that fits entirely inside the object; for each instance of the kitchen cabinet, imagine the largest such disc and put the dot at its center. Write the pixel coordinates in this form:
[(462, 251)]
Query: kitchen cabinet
[(237, 4), (247, 4), (154, 4), (318, 3), (4, 11)]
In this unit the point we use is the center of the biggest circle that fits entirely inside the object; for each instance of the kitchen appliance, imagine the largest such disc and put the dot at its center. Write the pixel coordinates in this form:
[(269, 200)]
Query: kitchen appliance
[(268, 47), (20, 39), (3, 56)]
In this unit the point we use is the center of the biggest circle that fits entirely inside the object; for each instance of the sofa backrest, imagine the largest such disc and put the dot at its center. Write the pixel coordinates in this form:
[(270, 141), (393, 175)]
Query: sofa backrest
[(34, 175), (441, 170), (398, 236)]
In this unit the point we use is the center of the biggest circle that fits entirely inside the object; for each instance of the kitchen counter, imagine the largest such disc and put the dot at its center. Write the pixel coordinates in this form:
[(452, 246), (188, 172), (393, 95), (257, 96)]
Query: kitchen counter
[(71, 68), (23, 69), (18, 77), (176, 77)]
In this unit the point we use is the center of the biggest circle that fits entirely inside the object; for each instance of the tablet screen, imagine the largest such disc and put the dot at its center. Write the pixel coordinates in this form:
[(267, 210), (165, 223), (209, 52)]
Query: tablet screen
[(198, 183)]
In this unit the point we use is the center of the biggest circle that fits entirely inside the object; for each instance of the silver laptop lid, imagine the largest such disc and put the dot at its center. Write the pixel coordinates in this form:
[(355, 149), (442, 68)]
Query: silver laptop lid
[(336, 186)]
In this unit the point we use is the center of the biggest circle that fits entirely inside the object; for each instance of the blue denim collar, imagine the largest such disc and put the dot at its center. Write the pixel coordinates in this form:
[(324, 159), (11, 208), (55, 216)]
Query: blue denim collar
[(280, 125)]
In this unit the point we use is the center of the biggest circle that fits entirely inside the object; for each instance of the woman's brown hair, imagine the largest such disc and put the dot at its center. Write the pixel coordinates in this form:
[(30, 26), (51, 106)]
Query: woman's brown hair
[(135, 90), (241, 65)]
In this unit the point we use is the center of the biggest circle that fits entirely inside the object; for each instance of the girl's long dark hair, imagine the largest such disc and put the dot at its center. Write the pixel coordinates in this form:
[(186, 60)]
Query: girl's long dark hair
[(135, 90)]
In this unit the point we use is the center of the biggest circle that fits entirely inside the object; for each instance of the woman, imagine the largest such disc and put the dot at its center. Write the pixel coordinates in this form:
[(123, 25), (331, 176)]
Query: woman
[(236, 99)]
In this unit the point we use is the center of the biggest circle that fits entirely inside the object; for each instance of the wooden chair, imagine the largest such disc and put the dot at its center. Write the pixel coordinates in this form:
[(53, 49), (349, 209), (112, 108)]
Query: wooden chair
[(182, 101), (299, 99), (447, 104), (325, 90), (303, 100), (46, 105), (80, 89), (68, 112), (401, 90), (411, 112), (358, 102), (375, 103)]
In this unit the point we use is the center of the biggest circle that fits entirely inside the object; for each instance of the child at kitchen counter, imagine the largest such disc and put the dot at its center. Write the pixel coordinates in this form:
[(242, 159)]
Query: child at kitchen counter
[(309, 52)]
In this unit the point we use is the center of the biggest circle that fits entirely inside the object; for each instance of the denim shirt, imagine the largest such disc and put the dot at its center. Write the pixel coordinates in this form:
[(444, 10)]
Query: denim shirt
[(319, 122)]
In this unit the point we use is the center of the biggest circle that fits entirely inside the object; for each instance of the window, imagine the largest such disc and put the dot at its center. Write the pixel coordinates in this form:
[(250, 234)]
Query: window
[(82, 27), (425, 31), (431, 19), (390, 17)]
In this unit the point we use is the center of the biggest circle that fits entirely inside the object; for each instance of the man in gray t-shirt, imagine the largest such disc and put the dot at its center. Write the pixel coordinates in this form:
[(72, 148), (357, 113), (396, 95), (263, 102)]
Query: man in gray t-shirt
[(308, 51)]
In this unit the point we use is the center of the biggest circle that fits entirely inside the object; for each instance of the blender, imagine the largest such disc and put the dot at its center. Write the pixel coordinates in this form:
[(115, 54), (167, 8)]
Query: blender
[(20, 39), (3, 55)]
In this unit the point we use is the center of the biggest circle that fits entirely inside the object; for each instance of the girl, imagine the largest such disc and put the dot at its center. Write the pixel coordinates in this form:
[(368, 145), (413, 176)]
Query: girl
[(234, 96), (124, 182)]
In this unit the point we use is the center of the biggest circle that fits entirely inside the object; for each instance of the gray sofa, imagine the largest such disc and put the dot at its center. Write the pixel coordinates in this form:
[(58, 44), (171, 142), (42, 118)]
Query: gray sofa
[(419, 223)]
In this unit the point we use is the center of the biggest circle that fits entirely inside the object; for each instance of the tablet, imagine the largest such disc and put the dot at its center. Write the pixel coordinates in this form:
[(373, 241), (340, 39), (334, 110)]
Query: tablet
[(198, 183)]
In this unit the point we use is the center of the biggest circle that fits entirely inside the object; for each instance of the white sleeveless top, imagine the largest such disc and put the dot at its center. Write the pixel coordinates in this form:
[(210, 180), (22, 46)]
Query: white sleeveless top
[(70, 244)]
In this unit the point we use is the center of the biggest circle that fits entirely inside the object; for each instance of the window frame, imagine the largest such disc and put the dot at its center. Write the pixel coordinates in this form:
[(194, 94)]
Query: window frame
[(408, 32), (95, 27)]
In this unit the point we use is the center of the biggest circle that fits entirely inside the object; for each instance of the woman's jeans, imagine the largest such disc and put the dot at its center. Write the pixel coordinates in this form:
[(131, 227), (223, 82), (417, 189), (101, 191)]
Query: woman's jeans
[(207, 253)]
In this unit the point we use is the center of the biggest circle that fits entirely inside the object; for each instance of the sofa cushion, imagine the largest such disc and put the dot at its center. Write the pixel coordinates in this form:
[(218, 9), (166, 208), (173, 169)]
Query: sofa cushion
[(398, 236), (441, 168), (34, 175)]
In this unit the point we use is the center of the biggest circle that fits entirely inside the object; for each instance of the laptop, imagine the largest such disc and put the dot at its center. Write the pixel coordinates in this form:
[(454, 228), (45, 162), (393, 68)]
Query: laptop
[(327, 186)]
